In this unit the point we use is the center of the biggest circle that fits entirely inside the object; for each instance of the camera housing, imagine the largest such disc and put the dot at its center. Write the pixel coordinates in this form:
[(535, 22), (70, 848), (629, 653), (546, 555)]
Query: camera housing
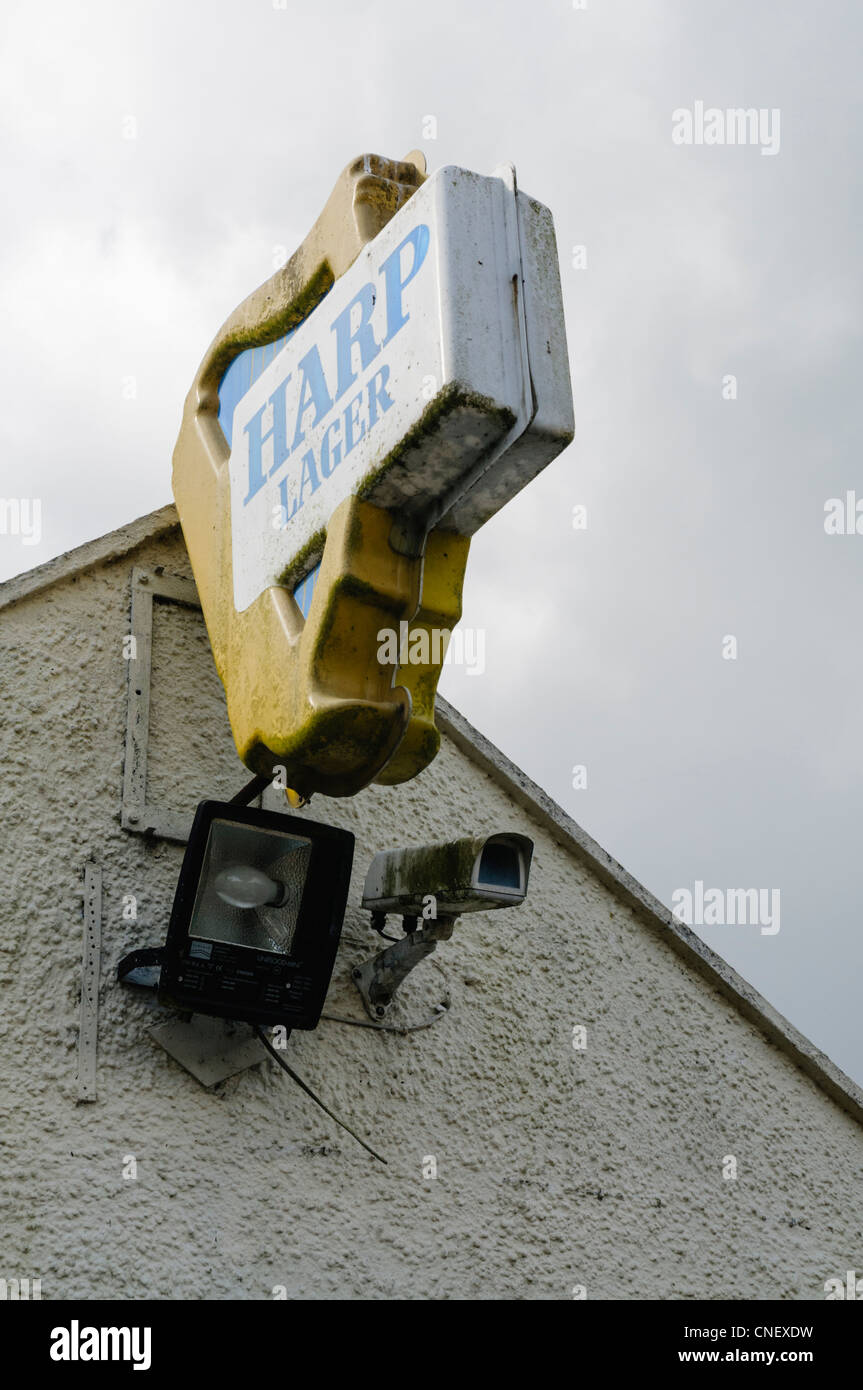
[(471, 874)]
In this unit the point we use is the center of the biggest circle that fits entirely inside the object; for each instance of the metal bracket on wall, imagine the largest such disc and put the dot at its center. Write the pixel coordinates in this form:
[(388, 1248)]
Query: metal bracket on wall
[(378, 979), (88, 1030), (210, 1049), (136, 814)]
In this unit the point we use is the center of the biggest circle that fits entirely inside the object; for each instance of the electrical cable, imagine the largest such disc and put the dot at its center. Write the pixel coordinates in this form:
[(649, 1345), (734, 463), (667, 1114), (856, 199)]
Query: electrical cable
[(262, 1034), (386, 936), (390, 1027)]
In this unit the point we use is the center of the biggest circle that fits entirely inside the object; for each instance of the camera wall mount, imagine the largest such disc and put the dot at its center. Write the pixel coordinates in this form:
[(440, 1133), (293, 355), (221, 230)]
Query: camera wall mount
[(378, 979)]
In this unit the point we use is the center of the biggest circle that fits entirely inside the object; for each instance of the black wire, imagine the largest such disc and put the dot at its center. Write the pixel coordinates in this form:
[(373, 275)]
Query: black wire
[(386, 936), (261, 1032), (379, 921), (402, 1029)]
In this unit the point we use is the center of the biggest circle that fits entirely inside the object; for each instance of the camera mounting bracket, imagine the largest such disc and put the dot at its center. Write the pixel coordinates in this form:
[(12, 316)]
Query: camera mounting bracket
[(378, 979)]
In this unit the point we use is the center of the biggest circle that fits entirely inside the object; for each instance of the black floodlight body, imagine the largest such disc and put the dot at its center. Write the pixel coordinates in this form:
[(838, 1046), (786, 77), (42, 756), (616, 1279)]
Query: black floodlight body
[(473, 874), (257, 916)]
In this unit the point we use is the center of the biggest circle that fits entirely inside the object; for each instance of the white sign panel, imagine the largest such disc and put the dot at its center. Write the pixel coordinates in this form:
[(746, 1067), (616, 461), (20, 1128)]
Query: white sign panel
[(432, 380)]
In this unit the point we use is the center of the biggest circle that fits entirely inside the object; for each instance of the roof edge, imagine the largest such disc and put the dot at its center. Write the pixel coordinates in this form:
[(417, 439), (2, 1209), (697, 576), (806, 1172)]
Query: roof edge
[(97, 552), (752, 1005)]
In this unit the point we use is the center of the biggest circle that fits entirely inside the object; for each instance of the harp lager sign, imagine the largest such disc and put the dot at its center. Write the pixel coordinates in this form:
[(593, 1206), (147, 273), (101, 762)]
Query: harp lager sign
[(430, 383), (432, 380)]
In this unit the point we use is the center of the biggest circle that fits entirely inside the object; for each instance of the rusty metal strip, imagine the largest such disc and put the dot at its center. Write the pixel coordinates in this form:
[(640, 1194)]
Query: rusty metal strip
[(136, 814), (88, 1031)]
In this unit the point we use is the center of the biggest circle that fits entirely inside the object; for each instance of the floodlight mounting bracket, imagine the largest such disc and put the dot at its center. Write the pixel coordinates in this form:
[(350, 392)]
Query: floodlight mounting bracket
[(378, 979)]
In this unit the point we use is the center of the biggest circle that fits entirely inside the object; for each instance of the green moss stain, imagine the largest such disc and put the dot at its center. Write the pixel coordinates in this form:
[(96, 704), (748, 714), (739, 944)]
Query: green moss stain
[(433, 868), (301, 303), (452, 398), (304, 561)]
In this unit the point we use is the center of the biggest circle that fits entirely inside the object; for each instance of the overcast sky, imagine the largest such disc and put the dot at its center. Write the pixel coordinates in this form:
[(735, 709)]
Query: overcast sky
[(705, 515)]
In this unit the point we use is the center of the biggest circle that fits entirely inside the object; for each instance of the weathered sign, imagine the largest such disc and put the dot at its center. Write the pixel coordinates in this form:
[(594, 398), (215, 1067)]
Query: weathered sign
[(439, 352), (417, 379)]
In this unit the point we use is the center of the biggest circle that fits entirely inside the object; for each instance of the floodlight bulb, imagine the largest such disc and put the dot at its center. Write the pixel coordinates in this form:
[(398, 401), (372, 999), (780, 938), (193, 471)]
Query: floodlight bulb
[(242, 886)]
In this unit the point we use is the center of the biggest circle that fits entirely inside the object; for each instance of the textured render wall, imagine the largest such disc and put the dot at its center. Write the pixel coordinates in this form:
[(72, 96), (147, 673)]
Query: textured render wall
[(601, 1168)]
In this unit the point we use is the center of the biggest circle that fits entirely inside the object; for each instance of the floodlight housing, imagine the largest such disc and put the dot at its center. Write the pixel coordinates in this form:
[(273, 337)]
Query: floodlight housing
[(257, 916)]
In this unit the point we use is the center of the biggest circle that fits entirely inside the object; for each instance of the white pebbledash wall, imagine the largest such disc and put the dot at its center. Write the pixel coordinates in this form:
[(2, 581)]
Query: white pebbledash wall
[(557, 1169)]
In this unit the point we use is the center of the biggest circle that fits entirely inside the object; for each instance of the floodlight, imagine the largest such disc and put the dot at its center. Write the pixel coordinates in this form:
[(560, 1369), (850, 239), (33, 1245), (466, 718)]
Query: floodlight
[(257, 916)]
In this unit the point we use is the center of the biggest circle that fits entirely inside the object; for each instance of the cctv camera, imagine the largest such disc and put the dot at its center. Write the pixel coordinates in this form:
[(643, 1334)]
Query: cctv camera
[(473, 874)]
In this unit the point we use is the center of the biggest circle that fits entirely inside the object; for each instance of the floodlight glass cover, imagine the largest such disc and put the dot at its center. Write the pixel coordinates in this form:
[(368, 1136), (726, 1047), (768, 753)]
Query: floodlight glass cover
[(257, 916), (251, 886)]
